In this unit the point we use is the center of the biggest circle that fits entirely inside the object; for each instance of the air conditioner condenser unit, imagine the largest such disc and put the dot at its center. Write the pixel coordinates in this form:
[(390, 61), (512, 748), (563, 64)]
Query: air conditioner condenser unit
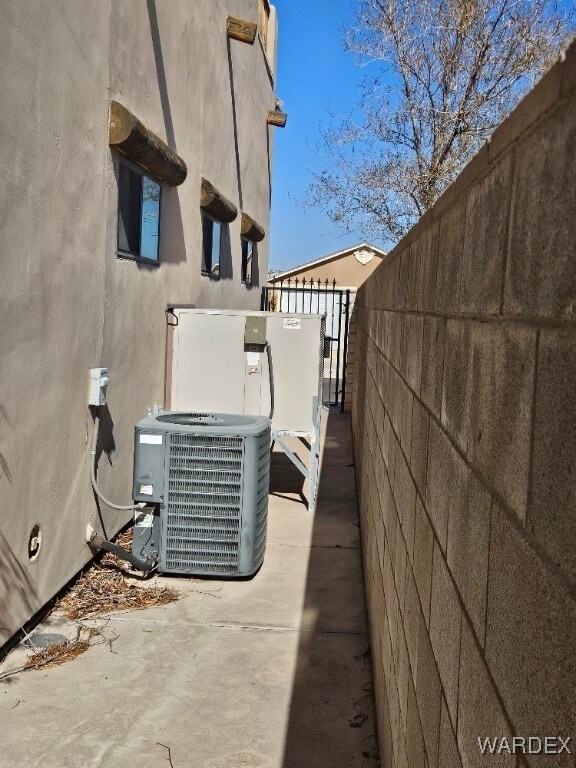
[(206, 476)]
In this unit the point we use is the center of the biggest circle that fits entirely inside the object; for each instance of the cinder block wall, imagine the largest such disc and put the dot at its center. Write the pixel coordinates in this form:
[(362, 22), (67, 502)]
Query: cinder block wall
[(464, 419)]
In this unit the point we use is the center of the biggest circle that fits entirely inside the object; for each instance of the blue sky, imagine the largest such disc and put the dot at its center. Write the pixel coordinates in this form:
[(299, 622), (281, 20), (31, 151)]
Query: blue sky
[(315, 77)]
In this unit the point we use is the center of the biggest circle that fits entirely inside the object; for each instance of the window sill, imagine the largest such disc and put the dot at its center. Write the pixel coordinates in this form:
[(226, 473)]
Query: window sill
[(138, 259), (216, 278)]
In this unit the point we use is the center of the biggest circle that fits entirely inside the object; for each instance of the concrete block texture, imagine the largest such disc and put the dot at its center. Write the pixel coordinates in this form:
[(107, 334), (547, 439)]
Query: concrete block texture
[(419, 446), (502, 364), (433, 345), (540, 274), (474, 449), (482, 266), (445, 620), (413, 350), (552, 511), (448, 754), (423, 556), (425, 252), (530, 630), (413, 616), (480, 713), (457, 377), (450, 249), (444, 464), (414, 736), (468, 542), (428, 695)]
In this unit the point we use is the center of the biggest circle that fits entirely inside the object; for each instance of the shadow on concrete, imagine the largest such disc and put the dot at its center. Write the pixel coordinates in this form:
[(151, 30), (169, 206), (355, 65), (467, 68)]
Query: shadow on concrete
[(286, 481), (331, 720)]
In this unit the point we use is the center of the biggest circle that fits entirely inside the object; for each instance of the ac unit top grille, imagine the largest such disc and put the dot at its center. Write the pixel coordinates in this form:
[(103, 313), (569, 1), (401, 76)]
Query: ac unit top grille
[(224, 425), (202, 419)]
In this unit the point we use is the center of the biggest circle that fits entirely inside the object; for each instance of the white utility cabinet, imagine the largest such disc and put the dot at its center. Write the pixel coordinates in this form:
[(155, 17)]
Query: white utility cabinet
[(218, 361)]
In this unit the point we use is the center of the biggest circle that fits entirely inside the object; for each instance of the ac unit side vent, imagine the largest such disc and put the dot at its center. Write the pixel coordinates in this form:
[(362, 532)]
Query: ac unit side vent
[(186, 565), (259, 553), (201, 545), (206, 469), (260, 528), (262, 498), (207, 465), (264, 473), (205, 475), (208, 441), (201, 508), (195, 531), (220, 526), (206, 495)]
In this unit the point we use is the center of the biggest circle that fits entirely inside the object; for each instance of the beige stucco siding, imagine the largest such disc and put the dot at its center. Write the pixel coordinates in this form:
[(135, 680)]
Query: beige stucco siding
[(345, 269), (67, 302)]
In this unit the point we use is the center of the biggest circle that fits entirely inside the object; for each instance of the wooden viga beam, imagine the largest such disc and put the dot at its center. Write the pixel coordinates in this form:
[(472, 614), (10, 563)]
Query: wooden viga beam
[(239, 29), (130, 137), (250, 229), (277, 118), (215, 204)]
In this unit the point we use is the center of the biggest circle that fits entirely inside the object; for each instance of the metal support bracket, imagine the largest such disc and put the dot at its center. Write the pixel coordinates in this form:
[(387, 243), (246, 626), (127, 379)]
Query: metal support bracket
[(292, 456), (311, 473)]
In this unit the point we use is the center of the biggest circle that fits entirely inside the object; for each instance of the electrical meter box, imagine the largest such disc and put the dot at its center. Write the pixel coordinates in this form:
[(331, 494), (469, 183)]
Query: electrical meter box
[(218, 361)]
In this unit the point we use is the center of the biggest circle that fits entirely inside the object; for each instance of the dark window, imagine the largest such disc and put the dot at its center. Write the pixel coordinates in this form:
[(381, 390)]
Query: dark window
[(247, 254), (138, 215), (211, 245)]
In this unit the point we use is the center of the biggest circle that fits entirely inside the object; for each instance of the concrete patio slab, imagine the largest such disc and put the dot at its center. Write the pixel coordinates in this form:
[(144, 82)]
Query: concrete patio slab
[(273, 672)]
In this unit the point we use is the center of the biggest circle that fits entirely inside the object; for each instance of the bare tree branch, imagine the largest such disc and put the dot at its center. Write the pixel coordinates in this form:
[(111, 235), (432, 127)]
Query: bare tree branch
[(448, 72)]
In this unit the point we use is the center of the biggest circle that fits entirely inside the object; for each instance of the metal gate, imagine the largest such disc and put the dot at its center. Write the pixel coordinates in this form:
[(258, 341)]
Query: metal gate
[(318, 298)]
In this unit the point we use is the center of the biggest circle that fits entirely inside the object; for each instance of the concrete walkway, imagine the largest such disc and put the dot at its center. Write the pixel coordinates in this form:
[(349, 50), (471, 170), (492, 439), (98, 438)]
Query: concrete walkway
[(268, 673)]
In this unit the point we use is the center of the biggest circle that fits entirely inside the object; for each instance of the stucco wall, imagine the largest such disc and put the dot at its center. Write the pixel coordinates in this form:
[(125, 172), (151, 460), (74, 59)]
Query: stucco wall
[(464, 417), (345, 269), (67, 302)]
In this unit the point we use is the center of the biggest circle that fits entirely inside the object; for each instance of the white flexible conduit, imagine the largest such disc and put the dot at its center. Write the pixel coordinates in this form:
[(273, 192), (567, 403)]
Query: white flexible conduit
[(103, 498)]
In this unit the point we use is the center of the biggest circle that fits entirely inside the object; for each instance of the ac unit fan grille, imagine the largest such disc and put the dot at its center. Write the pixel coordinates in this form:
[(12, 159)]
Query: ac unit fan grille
[(204, 503)]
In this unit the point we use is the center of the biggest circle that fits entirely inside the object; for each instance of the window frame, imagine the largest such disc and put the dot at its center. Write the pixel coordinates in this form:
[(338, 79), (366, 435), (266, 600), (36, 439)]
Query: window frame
[(122, 253), (205, 268)]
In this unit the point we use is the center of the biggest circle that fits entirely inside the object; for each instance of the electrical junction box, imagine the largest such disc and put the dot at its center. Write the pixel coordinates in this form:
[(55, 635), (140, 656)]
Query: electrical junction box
[(146, 533), (255, 330), (98, 386), (214, 369)]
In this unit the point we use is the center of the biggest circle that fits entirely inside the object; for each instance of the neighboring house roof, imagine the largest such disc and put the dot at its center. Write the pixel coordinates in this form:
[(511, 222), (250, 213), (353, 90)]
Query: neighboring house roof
[(275, 276)]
